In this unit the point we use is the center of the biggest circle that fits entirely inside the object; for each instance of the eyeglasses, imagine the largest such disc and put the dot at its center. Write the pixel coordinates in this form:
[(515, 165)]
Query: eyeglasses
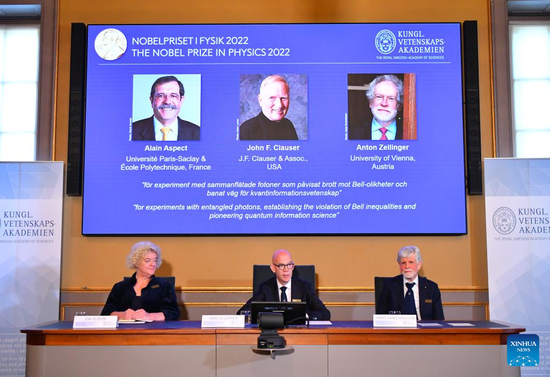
[(281, 267), (379, 98), (163, 96)]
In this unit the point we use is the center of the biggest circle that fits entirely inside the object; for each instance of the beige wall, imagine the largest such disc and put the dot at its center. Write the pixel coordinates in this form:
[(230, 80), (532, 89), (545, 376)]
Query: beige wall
[(341, 262)]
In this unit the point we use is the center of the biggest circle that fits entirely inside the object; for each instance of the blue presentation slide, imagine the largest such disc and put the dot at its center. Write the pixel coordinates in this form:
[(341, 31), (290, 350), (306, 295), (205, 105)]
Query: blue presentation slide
[(279, 129)]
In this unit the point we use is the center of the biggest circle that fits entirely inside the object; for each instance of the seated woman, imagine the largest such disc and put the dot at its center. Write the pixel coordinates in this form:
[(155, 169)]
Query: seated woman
[(143, 296)]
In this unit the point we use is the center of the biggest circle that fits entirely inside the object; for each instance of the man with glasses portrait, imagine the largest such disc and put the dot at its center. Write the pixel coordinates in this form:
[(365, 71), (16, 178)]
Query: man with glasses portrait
[(385, 96), (283, 287), (167, 96)]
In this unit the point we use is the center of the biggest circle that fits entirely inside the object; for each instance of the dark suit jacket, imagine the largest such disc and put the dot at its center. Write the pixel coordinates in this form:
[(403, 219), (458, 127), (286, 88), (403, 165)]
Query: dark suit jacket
[(158, 296), (393, 295), (364, 131), (301, 289), (145, 130)]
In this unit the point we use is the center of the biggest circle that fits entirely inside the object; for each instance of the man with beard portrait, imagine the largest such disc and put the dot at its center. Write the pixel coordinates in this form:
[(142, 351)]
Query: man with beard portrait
[(385, 95)]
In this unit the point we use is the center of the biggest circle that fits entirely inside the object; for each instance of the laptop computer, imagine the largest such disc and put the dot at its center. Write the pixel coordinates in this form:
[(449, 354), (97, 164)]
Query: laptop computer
[(294, 313)]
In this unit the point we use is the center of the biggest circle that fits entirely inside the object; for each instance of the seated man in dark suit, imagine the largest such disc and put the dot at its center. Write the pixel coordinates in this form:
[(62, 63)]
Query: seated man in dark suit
[(409, 293), (167, 96), (283, 287)]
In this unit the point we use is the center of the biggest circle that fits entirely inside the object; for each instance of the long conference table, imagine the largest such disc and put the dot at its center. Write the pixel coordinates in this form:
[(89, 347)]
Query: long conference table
[(355, 348)]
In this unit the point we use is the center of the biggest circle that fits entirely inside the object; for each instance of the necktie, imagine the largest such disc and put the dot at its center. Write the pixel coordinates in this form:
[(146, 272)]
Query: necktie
[(408, 304), (283, 294), (384, 130), (165, 131)]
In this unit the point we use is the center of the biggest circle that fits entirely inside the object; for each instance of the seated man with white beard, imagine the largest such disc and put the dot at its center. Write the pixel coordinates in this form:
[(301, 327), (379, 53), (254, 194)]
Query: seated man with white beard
[(409, 293), (385, 94)]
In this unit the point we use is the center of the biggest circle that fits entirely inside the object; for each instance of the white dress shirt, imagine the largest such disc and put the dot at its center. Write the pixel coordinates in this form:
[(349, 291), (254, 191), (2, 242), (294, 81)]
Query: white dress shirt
[(288, 290)]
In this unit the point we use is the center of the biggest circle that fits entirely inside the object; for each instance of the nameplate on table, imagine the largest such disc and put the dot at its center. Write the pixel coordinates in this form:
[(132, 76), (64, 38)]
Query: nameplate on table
[(95, 322), (394, 320), (230, 321)]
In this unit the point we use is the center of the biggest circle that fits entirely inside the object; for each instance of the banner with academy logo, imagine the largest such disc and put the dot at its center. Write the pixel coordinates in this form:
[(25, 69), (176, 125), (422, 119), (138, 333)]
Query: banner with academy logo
[(31, 203), (397, 43), (517, 204)]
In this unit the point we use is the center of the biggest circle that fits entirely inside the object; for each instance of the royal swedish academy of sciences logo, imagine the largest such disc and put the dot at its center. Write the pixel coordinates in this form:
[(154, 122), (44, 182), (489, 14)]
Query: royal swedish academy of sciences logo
[(504, 220), (385, 41)]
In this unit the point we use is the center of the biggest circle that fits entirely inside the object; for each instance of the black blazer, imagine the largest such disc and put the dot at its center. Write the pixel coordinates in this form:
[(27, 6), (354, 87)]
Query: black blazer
[(301, 289), (157, 296), (393, 295), (145, 130), (261, 128)]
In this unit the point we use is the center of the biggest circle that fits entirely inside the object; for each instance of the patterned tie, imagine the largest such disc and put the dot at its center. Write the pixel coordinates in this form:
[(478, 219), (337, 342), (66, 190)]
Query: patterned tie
[(383, 130), (165, 131), (408, 304), (283, 294)]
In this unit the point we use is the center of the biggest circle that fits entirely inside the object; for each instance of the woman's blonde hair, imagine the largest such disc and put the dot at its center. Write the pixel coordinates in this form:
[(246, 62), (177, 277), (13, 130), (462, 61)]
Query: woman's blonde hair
[(139, 250)]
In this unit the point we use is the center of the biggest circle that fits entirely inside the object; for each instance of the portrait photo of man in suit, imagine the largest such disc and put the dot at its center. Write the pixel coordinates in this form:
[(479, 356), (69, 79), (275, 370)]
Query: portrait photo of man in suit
[(267, 105), (377, 108), (167, 97), (409, 293), (283, 287)]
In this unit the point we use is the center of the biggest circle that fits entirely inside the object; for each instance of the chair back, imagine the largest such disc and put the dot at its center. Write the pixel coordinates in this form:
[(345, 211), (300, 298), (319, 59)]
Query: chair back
[(378, 285), (262, 272)]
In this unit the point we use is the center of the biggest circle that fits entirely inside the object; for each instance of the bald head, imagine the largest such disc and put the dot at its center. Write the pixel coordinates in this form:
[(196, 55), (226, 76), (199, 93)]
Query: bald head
[(279, 252), (282, 257)]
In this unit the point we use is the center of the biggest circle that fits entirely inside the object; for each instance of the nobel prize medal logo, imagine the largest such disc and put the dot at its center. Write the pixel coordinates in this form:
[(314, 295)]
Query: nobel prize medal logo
[(110, 44), (385, 41), (504, 220)]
